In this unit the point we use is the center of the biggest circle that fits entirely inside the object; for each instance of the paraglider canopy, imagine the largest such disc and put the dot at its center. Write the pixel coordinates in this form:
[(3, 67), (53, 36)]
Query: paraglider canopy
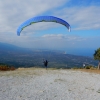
[(42, 19)]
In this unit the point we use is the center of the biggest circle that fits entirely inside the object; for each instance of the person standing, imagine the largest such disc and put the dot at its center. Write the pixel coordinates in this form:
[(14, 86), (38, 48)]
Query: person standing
[(45, 63)]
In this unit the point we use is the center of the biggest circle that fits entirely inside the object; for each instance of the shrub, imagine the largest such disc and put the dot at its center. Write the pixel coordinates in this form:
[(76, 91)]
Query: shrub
[(89, 67), (6, 68)]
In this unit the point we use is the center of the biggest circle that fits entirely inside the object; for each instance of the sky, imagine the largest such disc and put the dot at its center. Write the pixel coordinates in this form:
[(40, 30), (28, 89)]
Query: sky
[(82, 15)]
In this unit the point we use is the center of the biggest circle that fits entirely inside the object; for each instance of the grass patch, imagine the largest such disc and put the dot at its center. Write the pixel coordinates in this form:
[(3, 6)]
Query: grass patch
[(94, 70)]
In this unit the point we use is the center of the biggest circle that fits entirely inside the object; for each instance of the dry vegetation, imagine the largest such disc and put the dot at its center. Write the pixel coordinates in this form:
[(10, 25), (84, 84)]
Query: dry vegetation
[(92, 70), (97, 71), (6, 68), (11, 68)]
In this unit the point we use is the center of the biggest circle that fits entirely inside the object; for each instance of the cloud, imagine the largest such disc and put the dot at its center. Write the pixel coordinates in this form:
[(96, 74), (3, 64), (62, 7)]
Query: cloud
[(63, 37), (14, 12), (52, 41), (81, 18)]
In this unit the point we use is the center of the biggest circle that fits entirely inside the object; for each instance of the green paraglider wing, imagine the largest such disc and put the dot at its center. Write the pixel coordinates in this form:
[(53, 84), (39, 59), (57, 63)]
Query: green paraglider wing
[(42, 19)]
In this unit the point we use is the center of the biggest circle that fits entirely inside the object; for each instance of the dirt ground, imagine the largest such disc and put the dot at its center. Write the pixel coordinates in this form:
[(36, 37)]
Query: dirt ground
[(89, 70)]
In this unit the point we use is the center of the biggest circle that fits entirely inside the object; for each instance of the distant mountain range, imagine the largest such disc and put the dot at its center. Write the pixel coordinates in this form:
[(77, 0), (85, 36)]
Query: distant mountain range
[(23, 57)]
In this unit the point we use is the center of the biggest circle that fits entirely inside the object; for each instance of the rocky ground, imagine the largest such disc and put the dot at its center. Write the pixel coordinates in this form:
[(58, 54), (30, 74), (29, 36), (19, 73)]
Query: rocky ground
[(51, 84)]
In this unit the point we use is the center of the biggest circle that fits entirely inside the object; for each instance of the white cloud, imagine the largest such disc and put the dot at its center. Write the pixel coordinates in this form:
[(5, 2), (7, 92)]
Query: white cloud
[(57, 41), (63, 37), (14, 12), (81, 18)]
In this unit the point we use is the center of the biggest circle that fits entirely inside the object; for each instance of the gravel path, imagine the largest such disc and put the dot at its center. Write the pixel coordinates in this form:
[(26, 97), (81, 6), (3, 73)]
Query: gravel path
[(41, 84)]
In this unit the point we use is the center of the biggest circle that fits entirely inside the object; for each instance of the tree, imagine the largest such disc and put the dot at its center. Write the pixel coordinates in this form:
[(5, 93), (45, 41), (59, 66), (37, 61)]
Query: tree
[(97, 56)]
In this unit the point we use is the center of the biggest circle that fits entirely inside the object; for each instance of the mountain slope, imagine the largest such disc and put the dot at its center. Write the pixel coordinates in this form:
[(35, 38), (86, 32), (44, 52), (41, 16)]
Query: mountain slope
[(21, 57)]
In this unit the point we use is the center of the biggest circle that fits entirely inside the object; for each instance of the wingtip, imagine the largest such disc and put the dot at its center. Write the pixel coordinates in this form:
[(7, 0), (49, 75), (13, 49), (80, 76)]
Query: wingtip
[(69, 30), (18, 34)]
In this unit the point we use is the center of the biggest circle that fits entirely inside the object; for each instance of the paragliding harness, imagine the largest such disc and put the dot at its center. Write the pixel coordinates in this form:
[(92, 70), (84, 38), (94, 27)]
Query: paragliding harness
[(45, 63)]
